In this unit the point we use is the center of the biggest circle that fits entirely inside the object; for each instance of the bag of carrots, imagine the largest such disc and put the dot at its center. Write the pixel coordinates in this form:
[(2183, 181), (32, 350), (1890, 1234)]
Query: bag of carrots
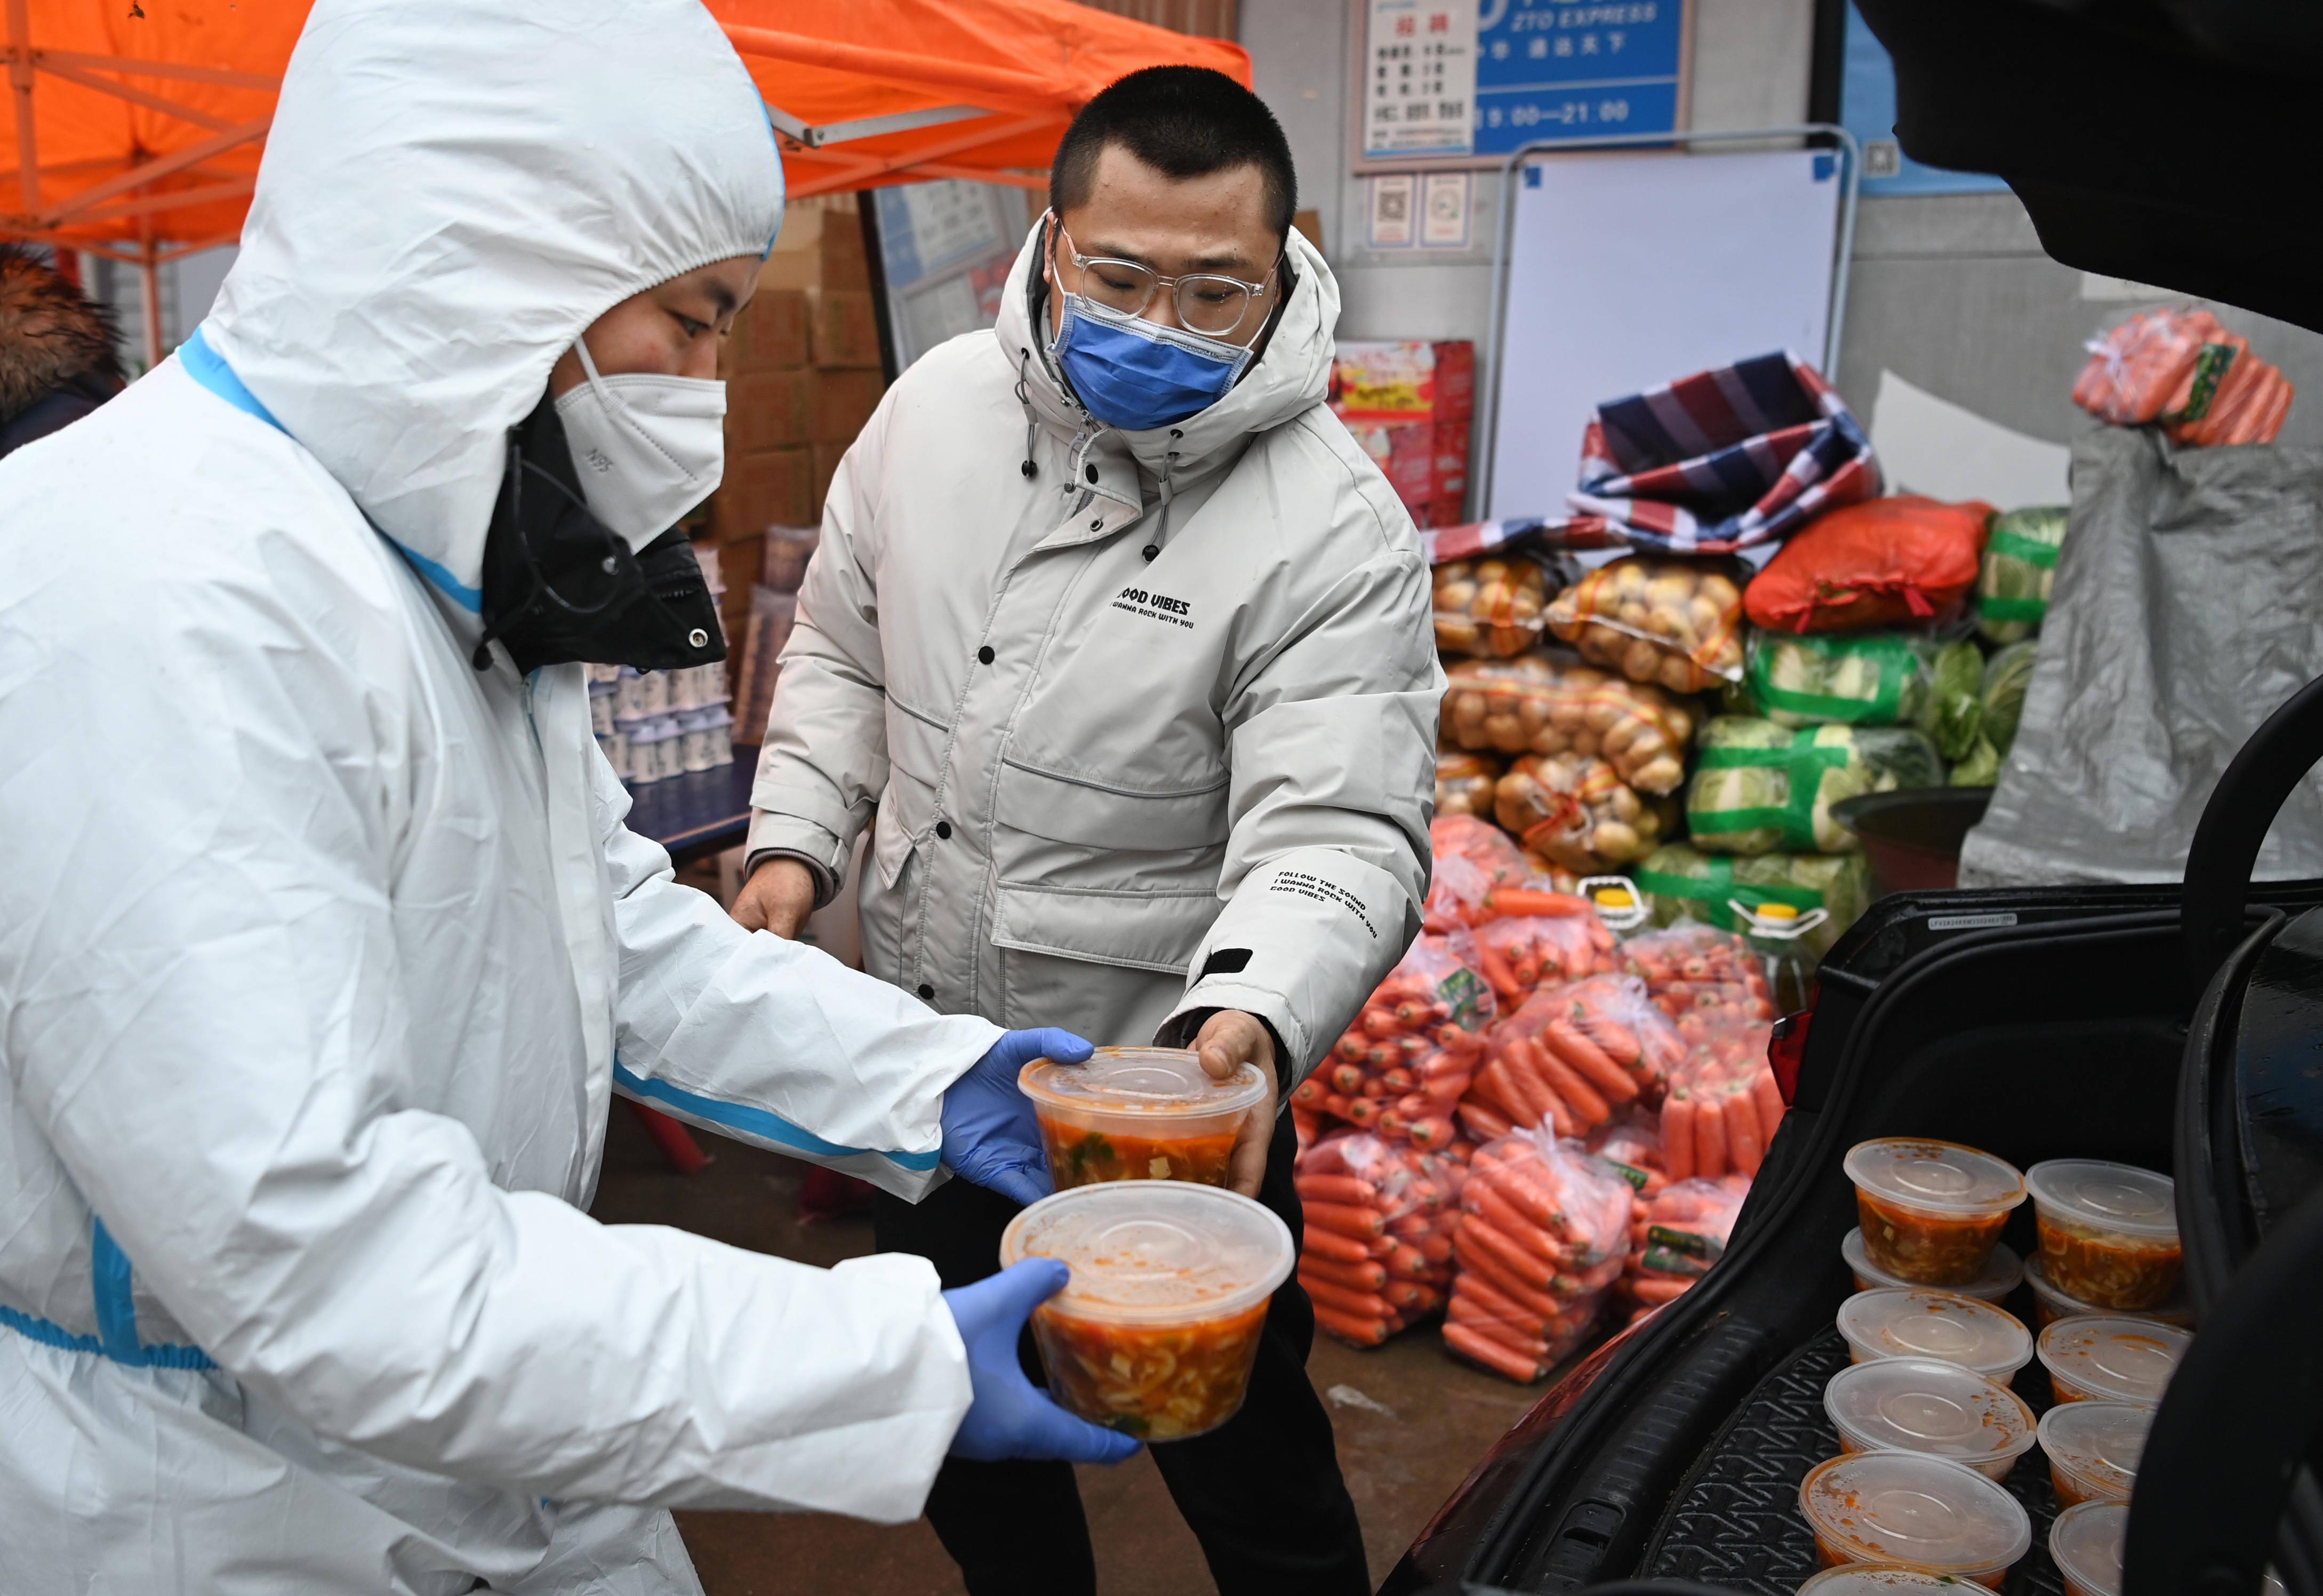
[(1722, 1108), (1544, 1231), (1630, 1142), (1691, 969), (1377, 1252), (1683, 1231), (1403, 1066), (1480, 876), (1522, 953), (1570, 1058)]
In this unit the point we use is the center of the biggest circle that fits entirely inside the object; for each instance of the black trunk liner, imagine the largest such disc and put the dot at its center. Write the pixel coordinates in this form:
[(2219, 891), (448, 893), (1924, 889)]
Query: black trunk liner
[(1734, 1520)]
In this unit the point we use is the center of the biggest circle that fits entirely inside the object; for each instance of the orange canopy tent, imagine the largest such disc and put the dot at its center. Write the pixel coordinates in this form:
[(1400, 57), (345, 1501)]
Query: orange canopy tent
[(135, 133)]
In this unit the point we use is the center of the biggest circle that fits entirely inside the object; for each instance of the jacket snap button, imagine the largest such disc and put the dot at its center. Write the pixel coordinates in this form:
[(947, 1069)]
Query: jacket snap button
[(983, 654), (1152, 551), (1089, 471), (943, 831), (1097, 525), (926, 992)]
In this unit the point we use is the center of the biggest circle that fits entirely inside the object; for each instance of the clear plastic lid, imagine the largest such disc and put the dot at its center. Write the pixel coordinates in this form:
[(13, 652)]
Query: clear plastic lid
[(1934, 1176), (2059, 1304), (2101, 1442), (2002, 1271), (1141, 1080), (1869, 1579), (2113, 1356), (2119, 1197), (1928, 1405), (1155, 1251), (1922, 1322), (2085, 1544), (1929, 1513)]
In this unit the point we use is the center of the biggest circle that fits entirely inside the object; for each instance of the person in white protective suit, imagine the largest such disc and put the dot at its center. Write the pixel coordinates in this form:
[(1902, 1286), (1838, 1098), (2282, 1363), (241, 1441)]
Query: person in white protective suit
[(323, 943)]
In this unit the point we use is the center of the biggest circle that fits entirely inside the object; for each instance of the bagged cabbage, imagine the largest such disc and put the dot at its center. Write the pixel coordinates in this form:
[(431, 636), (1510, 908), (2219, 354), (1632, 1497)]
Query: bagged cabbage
[(2020, 567), (1463, 784), (1981, 768), (2007, 675), (1490, 605), (1759, 787), (1680, 881), (1532, 705), (1676, 622), (1575, 812), (1873, 679)]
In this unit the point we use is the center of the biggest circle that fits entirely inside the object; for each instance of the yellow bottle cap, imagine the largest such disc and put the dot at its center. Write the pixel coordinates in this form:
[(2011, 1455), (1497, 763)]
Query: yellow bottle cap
[(1614, 897), (1777, 912)]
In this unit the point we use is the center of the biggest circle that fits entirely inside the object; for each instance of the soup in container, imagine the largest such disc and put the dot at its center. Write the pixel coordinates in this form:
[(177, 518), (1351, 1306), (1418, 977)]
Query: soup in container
[(2108, 1231), (1916, 1322), (1139, 1113), (2050, 1304), (1928, 1405), (2111, 1358), (2086, 1543), (1875, 1578), (1907, 1509), (2093, 1448), (1155, 1334), (1931, 1211), (2002, 1271)]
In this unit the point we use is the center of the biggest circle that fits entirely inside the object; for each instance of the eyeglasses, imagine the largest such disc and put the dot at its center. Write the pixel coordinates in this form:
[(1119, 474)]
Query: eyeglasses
[(1207, 302)]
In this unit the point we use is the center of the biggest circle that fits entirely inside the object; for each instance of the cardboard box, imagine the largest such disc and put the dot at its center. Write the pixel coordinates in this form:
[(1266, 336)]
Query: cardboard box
[(769, 335), (819, 247), (770, 488), (842, 401), (1404, 381), (842, 330), (778, 410), (827, 457)]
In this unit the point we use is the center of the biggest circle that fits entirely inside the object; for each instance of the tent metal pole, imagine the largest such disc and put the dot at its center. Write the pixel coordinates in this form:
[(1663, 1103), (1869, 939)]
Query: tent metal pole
[(20, 81), (149, 275)]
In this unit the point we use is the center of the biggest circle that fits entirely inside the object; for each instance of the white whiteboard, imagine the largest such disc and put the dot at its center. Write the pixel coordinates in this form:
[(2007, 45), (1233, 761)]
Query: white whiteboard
[(1627, 271)]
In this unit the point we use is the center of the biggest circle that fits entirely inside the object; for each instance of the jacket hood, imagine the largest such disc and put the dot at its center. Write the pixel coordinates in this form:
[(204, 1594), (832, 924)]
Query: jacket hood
[(50, 334), (452, 191), (1292, 377)]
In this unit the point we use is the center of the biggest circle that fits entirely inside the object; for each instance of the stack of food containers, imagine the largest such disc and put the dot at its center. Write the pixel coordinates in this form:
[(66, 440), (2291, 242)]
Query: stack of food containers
[(1157, 1330)]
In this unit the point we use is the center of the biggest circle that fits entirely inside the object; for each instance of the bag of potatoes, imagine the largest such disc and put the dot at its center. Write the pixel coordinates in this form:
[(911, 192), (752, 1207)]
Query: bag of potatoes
[(1534, 705), (1676, 622), (1574, 811), (1465, 783), (1490, 605)]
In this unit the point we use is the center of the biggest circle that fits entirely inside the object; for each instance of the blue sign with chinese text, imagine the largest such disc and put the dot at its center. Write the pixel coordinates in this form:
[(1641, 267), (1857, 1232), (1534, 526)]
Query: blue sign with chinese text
[(1551, 70)]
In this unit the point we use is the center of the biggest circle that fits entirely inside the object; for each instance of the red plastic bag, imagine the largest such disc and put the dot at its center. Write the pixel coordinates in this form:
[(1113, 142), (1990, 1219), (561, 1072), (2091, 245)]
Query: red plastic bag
[(1405, 1063), (1683, 1233), (1380, 1216), (1571, 1058), (1890, 561), (1723, 1105), (1544, 1231), (1691, 969)]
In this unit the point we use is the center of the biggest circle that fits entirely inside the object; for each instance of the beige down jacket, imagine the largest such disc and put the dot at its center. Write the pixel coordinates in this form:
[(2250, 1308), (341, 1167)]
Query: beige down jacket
[(1148, 726)]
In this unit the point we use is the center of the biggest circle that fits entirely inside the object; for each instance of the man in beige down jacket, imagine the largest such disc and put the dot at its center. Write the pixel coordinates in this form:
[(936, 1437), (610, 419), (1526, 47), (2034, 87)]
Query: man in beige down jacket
[(1125, 645)]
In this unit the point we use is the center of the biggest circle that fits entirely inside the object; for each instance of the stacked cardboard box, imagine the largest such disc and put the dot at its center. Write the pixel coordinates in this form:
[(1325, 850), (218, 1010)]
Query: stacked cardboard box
[(803, 375), (1411, 405)]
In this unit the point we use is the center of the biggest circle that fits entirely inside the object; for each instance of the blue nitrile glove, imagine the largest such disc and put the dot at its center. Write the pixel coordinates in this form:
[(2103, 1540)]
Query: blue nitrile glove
[(1009, 1416), (990, 1136)]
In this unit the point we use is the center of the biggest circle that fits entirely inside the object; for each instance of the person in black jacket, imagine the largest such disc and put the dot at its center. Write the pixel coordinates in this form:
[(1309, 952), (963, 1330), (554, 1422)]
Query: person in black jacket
[(58, 359)]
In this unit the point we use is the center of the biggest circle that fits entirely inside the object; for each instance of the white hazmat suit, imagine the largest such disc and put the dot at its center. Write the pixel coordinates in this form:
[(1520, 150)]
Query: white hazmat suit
[(321, 952)]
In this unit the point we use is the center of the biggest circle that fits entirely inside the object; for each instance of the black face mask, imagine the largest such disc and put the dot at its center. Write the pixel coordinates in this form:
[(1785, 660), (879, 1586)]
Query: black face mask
[(560, 586)]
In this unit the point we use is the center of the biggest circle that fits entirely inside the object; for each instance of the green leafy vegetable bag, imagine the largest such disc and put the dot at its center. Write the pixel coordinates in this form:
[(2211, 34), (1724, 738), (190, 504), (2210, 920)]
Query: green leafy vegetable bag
[(2020, 567), (1681, 882), (1870, 679), (2007, 675), (1759, 787)]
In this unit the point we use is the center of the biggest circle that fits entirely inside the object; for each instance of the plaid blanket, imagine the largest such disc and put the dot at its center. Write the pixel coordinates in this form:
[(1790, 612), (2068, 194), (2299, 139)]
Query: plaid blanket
[(1722, 460)]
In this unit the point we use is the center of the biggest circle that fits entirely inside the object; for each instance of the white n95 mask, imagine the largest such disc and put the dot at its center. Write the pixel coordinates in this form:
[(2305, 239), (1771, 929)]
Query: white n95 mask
[(647, 448)]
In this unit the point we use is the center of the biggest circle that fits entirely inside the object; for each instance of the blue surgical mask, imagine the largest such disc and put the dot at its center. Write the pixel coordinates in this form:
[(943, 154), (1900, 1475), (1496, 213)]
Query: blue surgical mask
[(1135, 375)]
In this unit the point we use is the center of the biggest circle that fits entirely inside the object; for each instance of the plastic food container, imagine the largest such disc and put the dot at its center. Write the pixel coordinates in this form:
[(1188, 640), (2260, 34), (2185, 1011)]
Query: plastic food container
[(1139, 1113), (2108, 1231), (2050, 1304), (2002, 1271), (2093, 1448), (1931, 1211), (2085, 1543), (1928, 1405), (1918, 1322), (2111, 1358), (1875, 1578), (1909, 1510), (1155, 1334)]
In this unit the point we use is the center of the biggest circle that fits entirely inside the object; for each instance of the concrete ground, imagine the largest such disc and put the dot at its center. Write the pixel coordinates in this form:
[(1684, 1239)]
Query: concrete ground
[(1410, 1422)]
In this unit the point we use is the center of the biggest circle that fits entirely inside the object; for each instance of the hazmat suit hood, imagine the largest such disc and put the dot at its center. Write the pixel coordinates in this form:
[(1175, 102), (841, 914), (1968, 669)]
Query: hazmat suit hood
[(449, 196), (1293, 376)]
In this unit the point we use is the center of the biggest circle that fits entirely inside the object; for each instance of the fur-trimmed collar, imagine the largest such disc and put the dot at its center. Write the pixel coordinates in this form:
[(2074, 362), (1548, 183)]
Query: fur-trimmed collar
[(50, 333)]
